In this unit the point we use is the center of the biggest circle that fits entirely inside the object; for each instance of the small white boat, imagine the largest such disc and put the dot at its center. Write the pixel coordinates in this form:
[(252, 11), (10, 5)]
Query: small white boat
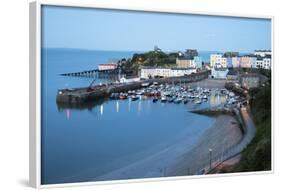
[(134, 98), (197, 101), (163, 99), (145, 84), (178, 100)]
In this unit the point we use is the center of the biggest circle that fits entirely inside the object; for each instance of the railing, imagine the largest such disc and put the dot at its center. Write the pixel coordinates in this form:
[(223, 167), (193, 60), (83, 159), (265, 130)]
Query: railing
[(217, 156), (233, 150)]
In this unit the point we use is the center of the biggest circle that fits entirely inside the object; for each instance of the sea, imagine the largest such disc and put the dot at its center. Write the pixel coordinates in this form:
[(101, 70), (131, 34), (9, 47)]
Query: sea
[(81, 144)]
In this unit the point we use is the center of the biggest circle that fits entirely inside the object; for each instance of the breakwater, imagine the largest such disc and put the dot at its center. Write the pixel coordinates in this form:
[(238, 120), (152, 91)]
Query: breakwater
[(85, 94), (214, 111)]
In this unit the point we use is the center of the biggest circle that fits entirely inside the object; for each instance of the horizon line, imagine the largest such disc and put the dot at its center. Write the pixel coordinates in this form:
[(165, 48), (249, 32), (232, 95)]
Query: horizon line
[(87, 49)]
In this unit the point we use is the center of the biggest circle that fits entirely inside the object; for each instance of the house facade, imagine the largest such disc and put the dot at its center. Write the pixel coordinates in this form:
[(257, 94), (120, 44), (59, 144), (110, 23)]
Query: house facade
[(259, 59), (183, 62), (153, 72), (247, 61), (217, 60), (266, 63), (198, 62), (236, 62), (177, 72), (259, 63)]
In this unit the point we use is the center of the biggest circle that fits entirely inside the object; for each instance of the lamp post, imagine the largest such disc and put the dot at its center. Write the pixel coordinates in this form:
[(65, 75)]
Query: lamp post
[(210, 154)]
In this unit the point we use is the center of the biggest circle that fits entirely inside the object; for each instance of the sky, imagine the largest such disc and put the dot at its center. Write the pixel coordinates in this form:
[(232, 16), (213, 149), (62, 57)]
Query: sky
[(101, 29)]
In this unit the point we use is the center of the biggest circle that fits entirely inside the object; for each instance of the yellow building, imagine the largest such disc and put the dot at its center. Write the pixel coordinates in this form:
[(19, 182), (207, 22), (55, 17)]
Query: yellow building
[(217, 60), (185, 63)]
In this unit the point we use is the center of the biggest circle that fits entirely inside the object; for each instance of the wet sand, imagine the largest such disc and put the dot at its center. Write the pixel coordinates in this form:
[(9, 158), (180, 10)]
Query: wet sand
[(157, 164), (224, 134), (183, 158)]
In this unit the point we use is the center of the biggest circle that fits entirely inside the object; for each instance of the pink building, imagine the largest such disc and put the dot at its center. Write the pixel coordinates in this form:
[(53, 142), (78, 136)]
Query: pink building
[(247, 61), (107, 66)]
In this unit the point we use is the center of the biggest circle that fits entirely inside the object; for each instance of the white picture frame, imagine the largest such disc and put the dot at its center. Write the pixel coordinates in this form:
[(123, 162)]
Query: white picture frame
[(35, 87)]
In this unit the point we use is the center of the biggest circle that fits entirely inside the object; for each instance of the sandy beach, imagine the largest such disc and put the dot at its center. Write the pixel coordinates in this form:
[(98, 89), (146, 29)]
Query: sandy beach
[(183, 158), (224, 134)]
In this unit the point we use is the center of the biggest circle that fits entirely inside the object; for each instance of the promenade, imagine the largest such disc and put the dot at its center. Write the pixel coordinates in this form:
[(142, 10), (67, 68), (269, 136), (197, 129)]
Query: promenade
[(249, 133)]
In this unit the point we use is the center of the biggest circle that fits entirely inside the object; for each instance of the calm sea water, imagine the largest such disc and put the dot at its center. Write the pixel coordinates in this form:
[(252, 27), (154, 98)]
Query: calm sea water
[(81, 144)]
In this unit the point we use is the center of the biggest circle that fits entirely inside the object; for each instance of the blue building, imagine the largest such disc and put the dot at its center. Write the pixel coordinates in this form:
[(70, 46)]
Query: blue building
[(198, 62), (229, 62)]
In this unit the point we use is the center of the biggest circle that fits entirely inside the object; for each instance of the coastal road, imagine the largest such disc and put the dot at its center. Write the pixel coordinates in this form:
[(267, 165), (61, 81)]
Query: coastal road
[(250, 128)]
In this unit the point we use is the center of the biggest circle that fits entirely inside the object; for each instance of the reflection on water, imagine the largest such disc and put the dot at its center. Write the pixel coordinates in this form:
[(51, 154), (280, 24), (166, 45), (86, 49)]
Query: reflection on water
[(139, 107), (83, 141), (68, 113), (217, 100), (117, 106), (101, 110), (214, 101)]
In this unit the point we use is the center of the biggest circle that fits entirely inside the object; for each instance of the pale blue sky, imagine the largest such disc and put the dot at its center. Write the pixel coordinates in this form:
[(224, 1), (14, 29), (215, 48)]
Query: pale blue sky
[(100, 29)]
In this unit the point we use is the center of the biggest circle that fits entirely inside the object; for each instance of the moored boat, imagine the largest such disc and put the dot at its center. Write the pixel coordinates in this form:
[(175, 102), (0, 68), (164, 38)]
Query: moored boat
[(145, 84), (134, 98), (123, 96), (163, 99), (198, 101), (178, 100)]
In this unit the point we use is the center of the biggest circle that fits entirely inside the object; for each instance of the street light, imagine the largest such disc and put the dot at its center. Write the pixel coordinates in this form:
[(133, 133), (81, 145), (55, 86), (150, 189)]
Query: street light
[(210, 154)]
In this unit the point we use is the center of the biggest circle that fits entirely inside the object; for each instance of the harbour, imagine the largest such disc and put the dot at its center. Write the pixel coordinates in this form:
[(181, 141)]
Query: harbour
[(191, 108), (80, 95), (165, 124)]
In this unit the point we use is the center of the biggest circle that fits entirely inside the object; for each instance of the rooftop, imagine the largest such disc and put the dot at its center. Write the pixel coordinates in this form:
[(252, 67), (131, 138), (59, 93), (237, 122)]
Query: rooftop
[(177, 68), (185, 57), (262, 50)]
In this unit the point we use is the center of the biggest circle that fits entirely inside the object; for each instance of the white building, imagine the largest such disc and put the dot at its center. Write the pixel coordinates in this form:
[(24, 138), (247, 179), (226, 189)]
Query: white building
[(224, 62), (147, 73), (219, 73), (152, 72), (165, 72), (262, 53), (266, 64), (177, 72), (259, 63), (162, 72), (107, 66), (217, 60)]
